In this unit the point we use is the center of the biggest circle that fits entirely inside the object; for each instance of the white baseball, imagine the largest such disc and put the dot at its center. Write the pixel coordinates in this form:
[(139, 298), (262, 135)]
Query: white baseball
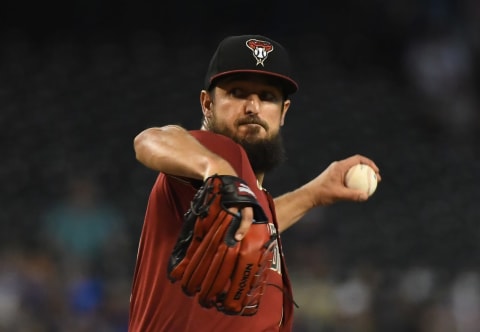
[(362, 177)]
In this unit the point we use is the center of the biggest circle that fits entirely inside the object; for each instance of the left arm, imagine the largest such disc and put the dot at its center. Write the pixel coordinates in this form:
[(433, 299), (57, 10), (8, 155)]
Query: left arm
[(326, 189)]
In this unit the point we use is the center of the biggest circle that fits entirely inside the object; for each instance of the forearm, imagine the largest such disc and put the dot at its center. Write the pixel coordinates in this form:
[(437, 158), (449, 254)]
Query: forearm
[(292, 206), (172, 150)]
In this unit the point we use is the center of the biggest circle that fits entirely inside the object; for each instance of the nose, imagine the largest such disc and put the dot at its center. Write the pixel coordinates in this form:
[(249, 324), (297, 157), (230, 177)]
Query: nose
[(252, 104)]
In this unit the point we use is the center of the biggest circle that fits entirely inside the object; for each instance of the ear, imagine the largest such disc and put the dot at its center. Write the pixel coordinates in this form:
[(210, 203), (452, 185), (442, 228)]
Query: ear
[(286, 106), (206, 102)]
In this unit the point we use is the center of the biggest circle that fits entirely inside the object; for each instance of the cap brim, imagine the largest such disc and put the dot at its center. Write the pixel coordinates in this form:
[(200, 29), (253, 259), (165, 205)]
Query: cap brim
[(289, 84)]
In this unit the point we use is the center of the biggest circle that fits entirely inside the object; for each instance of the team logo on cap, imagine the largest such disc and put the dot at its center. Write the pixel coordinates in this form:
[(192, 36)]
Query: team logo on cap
[(260, 49)]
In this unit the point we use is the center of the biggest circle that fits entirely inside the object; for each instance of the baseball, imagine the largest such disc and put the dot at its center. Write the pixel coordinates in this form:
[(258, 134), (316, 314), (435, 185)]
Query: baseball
[(362, 177)]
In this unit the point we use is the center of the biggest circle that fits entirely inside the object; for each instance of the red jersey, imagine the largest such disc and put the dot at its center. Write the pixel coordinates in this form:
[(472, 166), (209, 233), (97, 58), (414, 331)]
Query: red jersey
[(158, 305)]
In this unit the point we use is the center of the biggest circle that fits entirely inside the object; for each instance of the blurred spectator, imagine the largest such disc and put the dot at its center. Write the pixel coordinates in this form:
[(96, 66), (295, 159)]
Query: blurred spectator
[(86, 236), (83, 229), (28, 291), (441, 67), (465, 298)]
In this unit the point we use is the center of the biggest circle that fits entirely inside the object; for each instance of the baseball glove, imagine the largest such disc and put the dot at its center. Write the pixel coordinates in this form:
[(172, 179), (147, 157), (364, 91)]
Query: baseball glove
[(227, 274)]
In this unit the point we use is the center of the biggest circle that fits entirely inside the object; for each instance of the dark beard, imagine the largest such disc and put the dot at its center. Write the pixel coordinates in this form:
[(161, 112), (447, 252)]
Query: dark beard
[(264, 154)]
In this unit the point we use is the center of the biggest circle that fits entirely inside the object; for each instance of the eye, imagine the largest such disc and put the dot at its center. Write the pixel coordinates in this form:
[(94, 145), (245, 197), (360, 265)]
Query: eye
[(269, 96), (265, 95), (238, 93)]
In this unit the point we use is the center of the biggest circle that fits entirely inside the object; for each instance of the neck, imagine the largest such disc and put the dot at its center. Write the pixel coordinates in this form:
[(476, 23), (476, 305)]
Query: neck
[(260, 178)]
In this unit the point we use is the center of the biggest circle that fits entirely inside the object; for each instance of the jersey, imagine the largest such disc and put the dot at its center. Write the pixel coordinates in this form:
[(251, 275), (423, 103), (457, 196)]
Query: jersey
[(156, 304)]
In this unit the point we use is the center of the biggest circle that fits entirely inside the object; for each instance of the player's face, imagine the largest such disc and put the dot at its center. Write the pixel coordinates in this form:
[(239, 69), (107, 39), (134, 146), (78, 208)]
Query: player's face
[(248, 108), (251, 111)]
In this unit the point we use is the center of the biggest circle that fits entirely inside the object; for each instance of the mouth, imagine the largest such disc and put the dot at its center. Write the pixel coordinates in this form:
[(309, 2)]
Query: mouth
[(252, 125), (250, 130)]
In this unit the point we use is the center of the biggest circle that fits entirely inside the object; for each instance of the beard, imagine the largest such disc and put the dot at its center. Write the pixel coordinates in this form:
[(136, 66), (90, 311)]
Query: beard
[(264, 154)]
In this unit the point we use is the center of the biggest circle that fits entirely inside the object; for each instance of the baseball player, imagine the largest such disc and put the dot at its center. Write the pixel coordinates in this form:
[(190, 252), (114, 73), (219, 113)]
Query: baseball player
[(244, 103)]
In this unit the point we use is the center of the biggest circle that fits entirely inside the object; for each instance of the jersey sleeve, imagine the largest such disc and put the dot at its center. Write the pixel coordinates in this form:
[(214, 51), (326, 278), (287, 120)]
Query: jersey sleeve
[(229, 150)]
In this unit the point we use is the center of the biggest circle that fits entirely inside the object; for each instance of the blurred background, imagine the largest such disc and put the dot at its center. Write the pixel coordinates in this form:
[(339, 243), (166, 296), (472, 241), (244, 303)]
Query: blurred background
[(397, 81)]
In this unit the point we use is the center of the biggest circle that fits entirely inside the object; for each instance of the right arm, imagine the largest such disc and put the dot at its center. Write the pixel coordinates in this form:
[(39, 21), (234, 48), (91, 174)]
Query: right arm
[(172, 150)]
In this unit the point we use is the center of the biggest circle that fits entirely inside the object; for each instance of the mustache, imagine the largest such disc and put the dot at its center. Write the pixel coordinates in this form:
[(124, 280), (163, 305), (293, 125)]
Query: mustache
[(252, 120)]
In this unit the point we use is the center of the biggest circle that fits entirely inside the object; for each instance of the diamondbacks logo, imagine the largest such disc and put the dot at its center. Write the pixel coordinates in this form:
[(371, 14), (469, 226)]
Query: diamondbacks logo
[(260, 49)]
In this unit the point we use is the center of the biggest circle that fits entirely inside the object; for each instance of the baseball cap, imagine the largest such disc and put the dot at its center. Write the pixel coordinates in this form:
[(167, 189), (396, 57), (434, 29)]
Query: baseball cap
[(251, 54)]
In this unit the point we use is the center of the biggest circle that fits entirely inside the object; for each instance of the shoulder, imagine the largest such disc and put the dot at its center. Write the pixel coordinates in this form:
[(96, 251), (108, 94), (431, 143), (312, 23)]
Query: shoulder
[(213, 140), (226, 148), (222, 145)]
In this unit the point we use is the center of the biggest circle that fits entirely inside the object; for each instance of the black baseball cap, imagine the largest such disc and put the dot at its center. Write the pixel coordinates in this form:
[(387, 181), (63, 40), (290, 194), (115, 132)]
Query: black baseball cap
[(251, 54)]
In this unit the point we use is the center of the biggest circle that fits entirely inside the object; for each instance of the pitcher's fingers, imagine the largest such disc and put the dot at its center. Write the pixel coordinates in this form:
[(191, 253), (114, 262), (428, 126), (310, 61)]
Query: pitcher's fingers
[(246, 222), (361, 159)]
